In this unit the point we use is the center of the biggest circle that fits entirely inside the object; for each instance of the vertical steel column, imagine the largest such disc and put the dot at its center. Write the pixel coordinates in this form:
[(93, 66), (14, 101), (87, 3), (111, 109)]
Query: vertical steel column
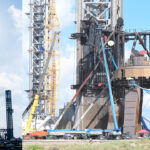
[(116, 12), (51, 81), (36, 48), (30, 52), (104, 14), (79, 56), (9, 117)]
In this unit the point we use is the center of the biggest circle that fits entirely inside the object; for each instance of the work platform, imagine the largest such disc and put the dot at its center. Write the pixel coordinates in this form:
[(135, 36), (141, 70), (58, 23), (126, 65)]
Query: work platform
[(133, 72)]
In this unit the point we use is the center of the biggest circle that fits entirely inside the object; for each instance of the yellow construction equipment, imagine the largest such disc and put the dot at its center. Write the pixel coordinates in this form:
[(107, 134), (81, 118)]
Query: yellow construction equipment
[(36, 98), (51, 81), (35, 103), (50, 78)]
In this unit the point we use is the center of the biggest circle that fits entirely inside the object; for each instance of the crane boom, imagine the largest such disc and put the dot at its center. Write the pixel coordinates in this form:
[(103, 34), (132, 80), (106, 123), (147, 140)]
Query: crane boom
[(34, 103)]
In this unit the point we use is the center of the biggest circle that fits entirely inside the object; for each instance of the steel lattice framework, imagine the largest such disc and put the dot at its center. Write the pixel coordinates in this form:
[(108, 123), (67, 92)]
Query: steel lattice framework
[(51, 82), (105, 12), (98, 9), (36, 51), (43, 23), (93, 14)]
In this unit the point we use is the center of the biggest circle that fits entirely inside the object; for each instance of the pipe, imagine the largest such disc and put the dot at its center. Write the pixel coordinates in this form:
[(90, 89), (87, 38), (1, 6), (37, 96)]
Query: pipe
[(109, 84), (113, 60)]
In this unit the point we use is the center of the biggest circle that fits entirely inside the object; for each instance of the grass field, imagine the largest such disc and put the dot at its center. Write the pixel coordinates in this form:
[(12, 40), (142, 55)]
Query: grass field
[(110, 145)]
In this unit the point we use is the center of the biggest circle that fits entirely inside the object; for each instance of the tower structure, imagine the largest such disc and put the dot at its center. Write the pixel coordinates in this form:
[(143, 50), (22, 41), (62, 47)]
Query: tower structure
[(90, 16), (51, 83), (106, 16), (43, 24), (38, 9), (9, 112)]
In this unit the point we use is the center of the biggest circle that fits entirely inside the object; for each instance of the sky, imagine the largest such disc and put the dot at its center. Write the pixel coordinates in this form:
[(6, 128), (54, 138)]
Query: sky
[(14, 50), (136, 16), (11, 60), (66, 13)]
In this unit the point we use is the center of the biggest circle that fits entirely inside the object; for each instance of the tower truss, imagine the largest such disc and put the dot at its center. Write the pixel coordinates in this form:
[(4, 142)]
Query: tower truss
[(43, 23), (92, 15), (51, 82), (37, 16)]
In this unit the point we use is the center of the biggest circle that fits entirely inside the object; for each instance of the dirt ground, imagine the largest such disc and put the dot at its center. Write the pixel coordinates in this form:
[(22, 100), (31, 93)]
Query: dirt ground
[(140, 144)]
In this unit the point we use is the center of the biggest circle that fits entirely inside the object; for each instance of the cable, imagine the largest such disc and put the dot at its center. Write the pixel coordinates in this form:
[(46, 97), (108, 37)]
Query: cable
[(134, 84)]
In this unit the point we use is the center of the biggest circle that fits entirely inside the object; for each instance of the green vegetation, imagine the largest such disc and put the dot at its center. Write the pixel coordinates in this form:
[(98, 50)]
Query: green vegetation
[(35, 147), (110, 145)]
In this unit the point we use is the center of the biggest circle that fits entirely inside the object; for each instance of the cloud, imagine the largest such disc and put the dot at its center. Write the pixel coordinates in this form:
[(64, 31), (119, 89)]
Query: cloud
[(65, 11), (17, 17), (127, 54), (25, 39), (67, 74), (2, 111), (10, 82), (17, 107), (146, 102), (11, 68)]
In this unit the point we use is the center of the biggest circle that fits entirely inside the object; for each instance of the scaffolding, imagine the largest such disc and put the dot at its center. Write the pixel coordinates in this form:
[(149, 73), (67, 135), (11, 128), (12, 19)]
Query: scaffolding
[(44, 23), (51, 82), (36, 50)]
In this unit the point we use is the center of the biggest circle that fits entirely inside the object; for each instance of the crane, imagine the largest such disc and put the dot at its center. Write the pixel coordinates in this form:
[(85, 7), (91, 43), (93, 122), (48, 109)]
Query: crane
[(36, 97), (44, 74), (51, 81)]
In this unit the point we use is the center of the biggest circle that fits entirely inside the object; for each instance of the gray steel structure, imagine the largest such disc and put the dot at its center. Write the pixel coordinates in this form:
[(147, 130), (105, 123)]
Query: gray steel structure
[(108, 15), (38, 14), (89, 15), (9, 117)]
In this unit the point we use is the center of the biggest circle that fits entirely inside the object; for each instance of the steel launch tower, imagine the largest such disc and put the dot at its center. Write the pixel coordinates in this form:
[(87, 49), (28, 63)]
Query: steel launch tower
[(107, 15), (44, 23), (91, 14), (109, 90)]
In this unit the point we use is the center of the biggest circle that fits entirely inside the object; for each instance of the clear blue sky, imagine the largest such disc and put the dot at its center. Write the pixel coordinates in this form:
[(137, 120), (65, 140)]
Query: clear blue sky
[(137, 14), (6, 3)]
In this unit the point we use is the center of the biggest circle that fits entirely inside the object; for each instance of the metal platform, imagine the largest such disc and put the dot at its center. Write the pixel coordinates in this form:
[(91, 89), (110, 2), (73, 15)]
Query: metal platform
[(133, 72)]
